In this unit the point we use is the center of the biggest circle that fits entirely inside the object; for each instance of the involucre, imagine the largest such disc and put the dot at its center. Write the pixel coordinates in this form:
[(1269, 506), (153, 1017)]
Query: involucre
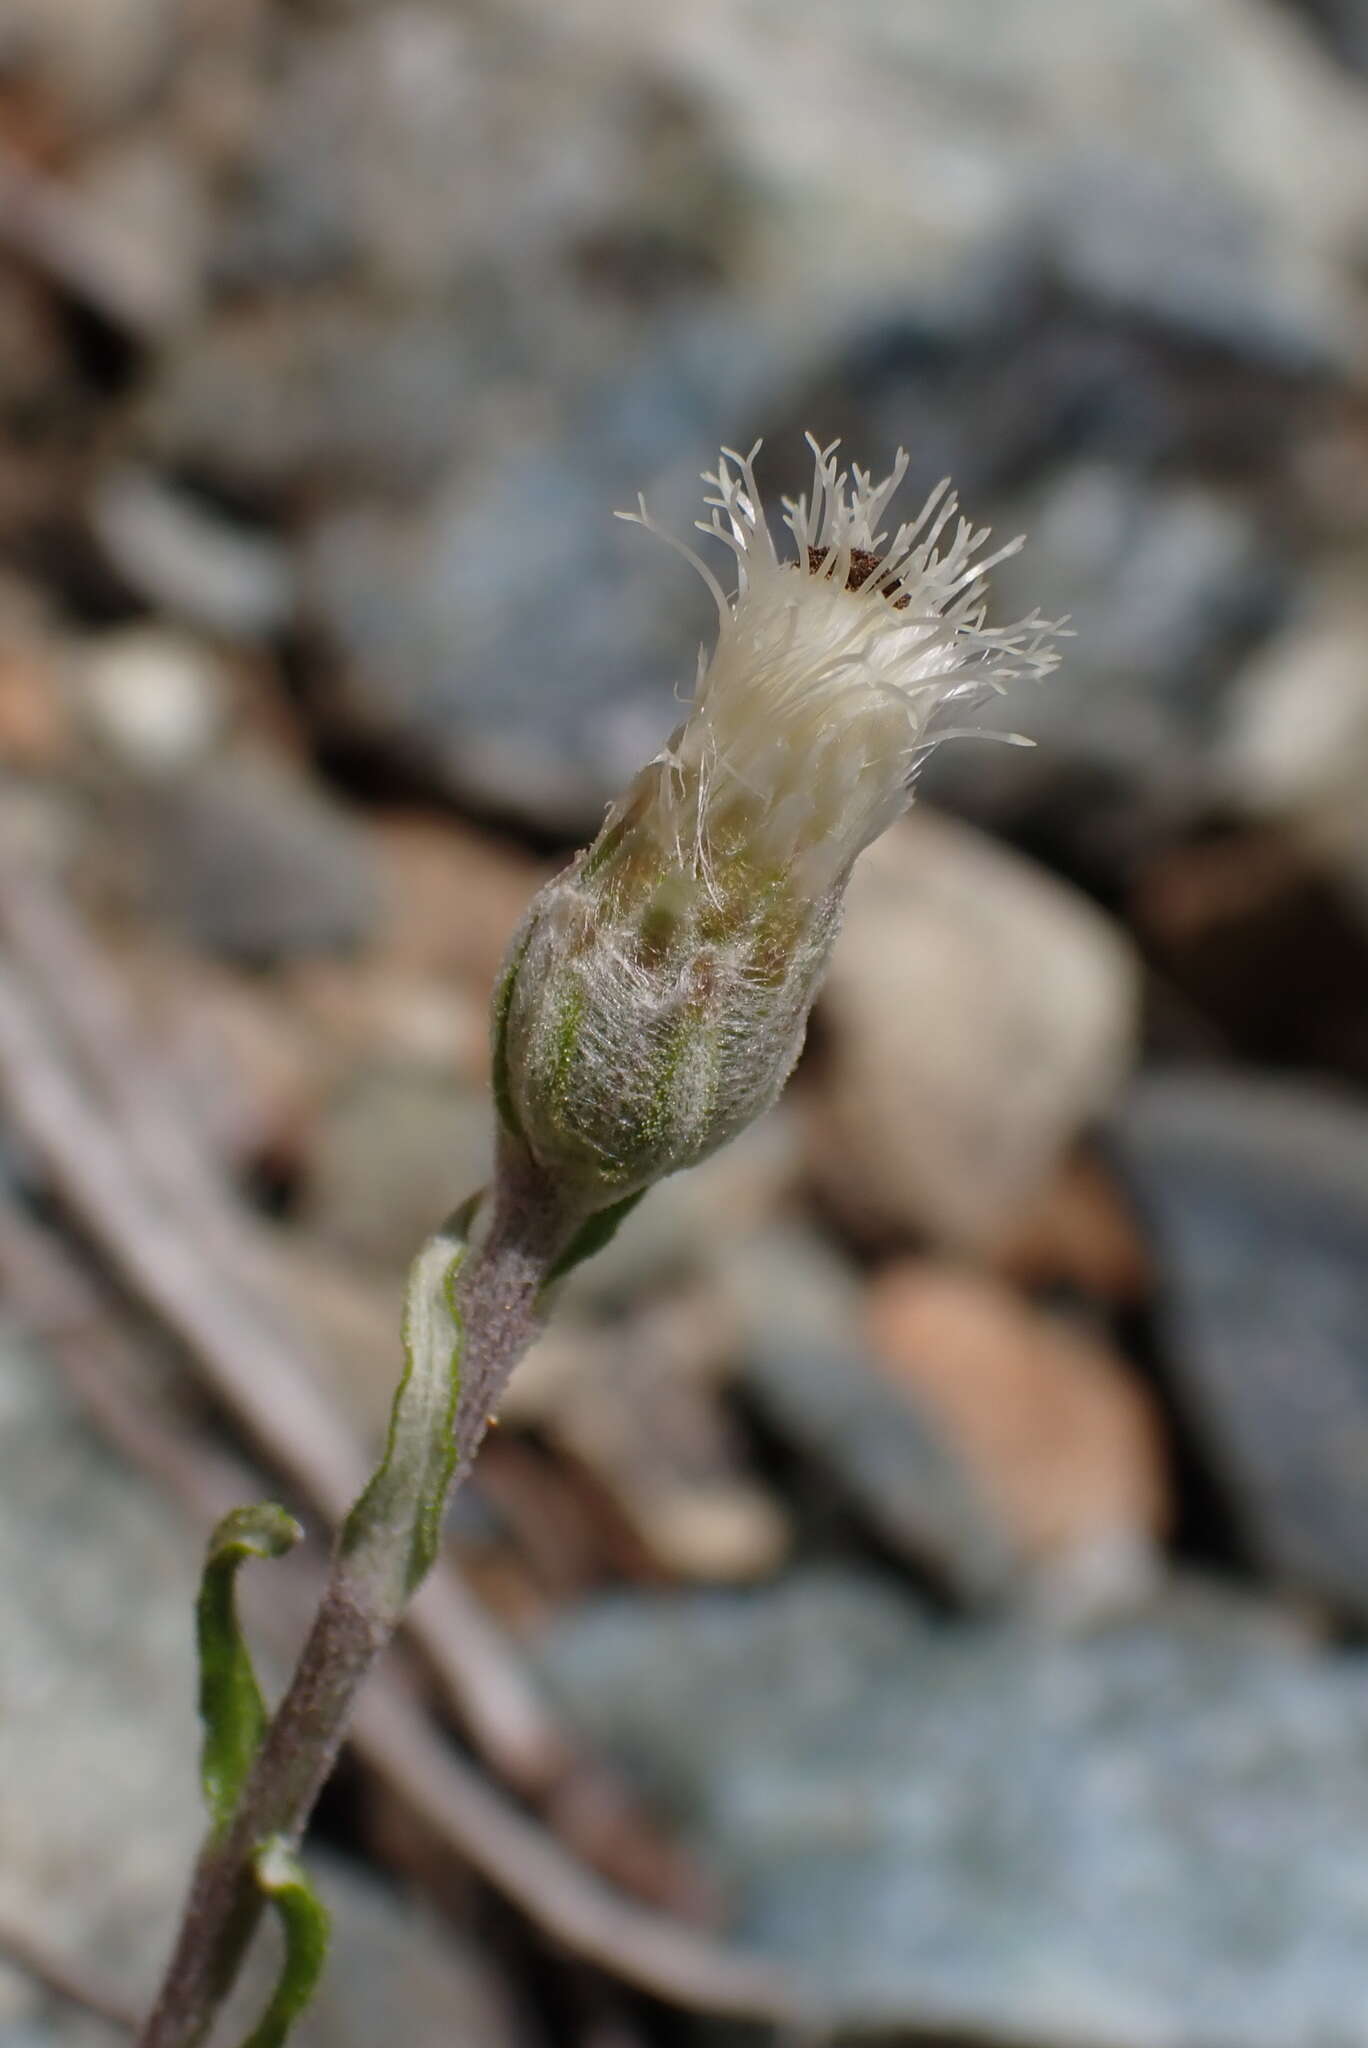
[(655, 998)]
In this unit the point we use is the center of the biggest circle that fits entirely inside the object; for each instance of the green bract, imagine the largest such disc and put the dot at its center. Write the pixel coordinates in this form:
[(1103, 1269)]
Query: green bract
[(651, 1008)]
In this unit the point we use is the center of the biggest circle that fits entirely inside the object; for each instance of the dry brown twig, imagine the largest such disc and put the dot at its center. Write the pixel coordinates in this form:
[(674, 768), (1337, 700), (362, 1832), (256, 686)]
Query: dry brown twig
[(392, 1735), (133, 1171)]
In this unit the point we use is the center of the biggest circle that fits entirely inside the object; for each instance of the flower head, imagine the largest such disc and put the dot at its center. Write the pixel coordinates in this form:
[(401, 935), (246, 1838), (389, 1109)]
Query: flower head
[(834, 665), (657, 994)]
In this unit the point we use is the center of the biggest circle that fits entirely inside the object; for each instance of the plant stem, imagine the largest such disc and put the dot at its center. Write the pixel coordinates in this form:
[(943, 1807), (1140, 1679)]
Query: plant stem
[(498, 1294)]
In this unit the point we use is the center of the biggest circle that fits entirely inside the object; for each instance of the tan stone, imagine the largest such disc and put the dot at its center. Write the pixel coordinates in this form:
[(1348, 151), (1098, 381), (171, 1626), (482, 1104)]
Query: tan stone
[(1059, 1433), (1078, 1231), (455, 896), (35, 731), (978, 1013)]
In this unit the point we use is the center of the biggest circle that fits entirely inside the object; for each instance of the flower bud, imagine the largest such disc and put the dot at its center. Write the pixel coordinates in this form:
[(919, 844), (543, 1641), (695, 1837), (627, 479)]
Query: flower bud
[(656, 995)]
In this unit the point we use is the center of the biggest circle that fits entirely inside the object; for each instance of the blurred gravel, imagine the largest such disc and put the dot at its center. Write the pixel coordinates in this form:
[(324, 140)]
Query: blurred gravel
[(330, 336), (1148, 1835)]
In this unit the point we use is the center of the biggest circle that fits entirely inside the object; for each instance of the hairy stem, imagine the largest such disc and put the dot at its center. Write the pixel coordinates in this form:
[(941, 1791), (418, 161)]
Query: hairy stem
[(498, 1292)]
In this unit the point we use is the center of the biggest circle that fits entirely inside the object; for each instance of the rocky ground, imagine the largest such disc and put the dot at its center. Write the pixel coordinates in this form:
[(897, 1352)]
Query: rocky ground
[(917, 1591)]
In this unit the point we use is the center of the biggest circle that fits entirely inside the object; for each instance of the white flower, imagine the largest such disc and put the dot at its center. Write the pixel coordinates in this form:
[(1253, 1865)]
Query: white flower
[(657, 993), (833, 666)]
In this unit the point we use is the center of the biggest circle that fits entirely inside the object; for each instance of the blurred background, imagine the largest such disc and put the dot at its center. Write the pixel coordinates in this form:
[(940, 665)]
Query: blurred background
[(916, 1593)]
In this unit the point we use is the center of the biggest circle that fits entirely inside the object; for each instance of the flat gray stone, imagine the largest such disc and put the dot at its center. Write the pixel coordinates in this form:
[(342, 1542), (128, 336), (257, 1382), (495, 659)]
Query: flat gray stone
[(394, 1154), (258, 864), (327, 396), (512, 643), (1255, 1195), (99, 1797), (1148, 1838), (805, 1367)]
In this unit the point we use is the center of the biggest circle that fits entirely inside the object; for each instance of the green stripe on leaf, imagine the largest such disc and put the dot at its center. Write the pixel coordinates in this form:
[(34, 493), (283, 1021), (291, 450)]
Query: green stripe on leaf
[(409, 1487)]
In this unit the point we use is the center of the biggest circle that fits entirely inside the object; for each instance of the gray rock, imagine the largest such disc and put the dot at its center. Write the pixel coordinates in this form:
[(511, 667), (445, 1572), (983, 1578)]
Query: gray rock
[(514, 644), (1160, 578), (500, 650), (444, 236), (1198, 260), (315, 396), (1255, 1193), (256, 863), (1146, 1838), (99, 1799), (426, 150), (999, 117), (54, 2026), (805, 1367), (99, 1806), (394, 1154), (138, 198), (455, 314), (1166, 584), (185, 559)]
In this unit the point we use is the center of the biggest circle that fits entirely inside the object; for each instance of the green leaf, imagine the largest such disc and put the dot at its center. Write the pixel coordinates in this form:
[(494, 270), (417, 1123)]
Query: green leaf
[(592, 1236), (304, 1923), (231, 1706), (407, 1493)]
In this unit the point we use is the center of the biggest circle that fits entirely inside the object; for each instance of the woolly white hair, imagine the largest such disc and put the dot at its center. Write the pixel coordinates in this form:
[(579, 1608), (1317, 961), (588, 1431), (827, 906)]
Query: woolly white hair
[(832, 671)]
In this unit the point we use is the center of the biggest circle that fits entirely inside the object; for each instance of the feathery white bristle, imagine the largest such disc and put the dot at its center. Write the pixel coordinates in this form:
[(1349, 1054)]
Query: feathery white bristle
[(820, 703)]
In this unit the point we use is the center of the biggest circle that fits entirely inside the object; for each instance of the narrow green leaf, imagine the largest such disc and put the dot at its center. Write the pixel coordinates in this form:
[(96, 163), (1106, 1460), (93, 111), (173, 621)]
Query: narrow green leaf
[(304, 1924), (407, 1493), (592, 1236), (231, 1707)]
